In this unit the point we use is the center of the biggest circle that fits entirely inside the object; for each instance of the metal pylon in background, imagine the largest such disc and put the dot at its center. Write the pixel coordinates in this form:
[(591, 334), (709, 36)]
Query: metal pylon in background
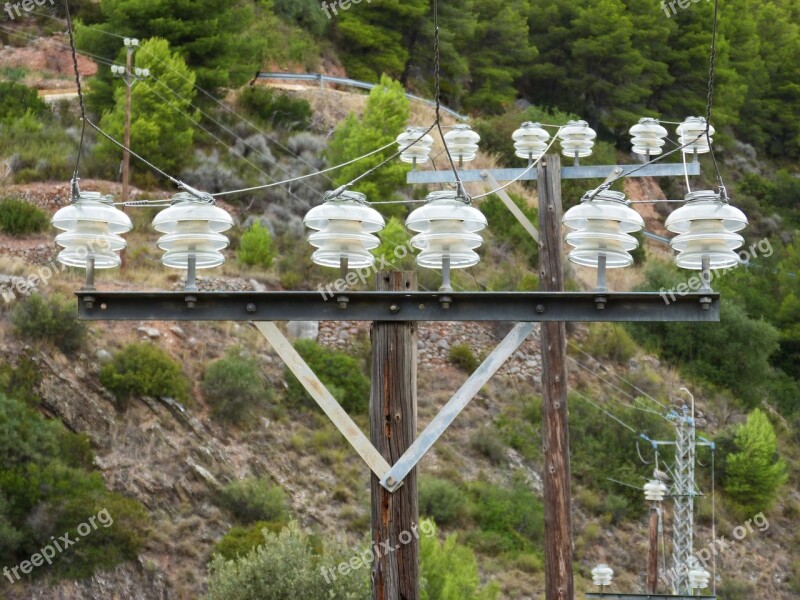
[(683, 493)]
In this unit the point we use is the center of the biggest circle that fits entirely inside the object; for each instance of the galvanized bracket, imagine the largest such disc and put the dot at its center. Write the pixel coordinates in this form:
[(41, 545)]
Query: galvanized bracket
[(513, 208), (457, 403), (392, 477), (360, 442), (579, 172)]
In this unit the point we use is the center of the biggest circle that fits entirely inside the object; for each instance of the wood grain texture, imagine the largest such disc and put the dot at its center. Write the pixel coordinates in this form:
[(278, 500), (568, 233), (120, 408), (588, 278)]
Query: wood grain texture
[(652, 553), (559, 584), (393, 428)]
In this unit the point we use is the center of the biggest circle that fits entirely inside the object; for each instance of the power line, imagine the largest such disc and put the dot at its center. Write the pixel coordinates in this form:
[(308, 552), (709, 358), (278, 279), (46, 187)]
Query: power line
[(233, 133), (203, 91), (209, 133), (579, 349)]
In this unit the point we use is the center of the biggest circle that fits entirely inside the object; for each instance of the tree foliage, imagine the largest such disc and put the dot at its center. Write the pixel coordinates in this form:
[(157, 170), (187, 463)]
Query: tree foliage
[(449, 570), (754, 473), (210, 35), (52, 319), (285, 567), (144, 369), (161, 126), (255, 247), (749, 342), (234, 387), (385, 116), (340, 373), (47, 490)]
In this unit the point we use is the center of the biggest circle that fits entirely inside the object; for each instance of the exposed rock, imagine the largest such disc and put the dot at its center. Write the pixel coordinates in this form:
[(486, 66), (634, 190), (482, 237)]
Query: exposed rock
[(150, 332), (302, 330)]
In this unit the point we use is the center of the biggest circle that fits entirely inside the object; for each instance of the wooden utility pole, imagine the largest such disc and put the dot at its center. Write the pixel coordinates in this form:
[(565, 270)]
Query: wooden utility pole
[(126, 155), (559, 583), (393, 428), (652, 553)]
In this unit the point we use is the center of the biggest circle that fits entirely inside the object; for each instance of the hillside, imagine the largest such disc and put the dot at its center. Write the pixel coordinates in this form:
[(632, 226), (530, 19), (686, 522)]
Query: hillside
[(193, 435)]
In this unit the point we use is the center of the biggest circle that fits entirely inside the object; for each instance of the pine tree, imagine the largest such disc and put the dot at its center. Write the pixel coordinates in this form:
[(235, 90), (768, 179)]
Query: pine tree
[(161, 129), (499, 54), (377, 38), (755, 473), (209, 34), (386, 115)]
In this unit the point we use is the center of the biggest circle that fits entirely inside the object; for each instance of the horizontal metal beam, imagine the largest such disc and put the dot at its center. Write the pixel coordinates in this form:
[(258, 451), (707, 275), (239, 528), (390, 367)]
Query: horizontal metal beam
[(581, 172), (396, 306)]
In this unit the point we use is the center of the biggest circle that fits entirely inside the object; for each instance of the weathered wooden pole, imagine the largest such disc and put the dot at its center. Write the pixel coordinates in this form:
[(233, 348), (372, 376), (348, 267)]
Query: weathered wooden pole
[(393, 428), (559, 583), (652, 553)]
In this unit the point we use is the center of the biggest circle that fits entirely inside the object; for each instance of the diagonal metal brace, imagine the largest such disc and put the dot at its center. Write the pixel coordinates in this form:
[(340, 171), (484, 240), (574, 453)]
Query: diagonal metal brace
[(324, 398), (456, 404)]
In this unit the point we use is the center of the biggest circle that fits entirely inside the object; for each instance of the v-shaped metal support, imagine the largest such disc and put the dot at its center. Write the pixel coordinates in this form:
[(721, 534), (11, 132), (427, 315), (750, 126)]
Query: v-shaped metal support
[(391, 477)]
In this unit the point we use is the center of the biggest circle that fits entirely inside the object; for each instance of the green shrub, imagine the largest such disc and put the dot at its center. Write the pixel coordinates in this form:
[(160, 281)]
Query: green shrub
[(18, 217), (754, 473), (47, 490), (749, 343), (234, 386), (52, 319), (286, 566), (240, 541), (449, 570), (441, 500), (276, 108), (616, 507), (462, 356), (340, 373), (488, 443), (508, 231), (18, 100), (512, 517), (607, 340), (20, 382), (256, 499), (143, 369), (255, 247)]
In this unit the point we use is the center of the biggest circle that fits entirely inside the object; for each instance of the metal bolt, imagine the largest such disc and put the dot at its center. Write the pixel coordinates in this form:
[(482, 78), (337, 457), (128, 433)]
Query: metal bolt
[(251, 308), (88, 301), (540, 308), (394, 308), (343, 301), (191, 301), (600, 302)]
